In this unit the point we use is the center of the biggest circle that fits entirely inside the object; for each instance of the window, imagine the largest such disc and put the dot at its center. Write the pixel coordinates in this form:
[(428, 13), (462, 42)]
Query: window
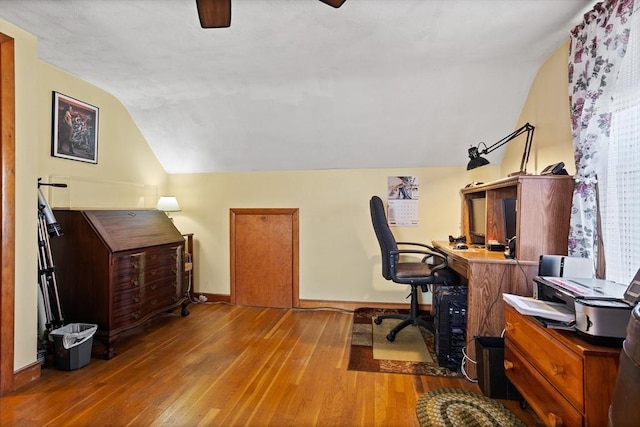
[(620, 182)]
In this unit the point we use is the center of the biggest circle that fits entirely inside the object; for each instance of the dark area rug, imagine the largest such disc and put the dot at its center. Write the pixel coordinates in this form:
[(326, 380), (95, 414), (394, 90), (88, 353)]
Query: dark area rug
[(361, 355), (460, 408)]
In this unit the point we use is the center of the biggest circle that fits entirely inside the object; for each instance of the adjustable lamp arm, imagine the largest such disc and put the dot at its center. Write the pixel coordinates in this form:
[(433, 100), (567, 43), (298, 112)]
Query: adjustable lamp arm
[(475, 153)]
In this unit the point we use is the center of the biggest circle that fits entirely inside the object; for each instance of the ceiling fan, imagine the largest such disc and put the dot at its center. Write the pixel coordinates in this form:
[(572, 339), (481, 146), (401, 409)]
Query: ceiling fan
[(217, 13)]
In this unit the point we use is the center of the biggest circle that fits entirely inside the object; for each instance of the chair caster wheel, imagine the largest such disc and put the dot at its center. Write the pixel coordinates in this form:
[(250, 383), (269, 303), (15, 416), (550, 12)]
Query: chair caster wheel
[(377, 320), (391, 337)]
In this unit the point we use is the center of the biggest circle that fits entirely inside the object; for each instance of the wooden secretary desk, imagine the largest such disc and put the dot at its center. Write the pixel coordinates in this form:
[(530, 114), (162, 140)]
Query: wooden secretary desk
[(118, 268), (543, 208)]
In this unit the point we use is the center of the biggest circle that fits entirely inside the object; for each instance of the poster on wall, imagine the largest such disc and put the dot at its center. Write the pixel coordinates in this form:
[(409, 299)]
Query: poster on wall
[(74, 130), (402, 199)]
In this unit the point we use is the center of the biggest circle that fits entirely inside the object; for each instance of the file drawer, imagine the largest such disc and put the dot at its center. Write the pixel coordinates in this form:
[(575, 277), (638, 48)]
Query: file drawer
[(549, 403), (565, 380), (562, 367)]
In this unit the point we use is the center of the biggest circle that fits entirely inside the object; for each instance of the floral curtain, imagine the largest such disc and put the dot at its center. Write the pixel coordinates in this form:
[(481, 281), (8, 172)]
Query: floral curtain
[(597, 48)]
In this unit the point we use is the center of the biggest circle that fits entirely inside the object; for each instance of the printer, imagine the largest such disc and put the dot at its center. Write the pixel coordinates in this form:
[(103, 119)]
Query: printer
[(602, 307)]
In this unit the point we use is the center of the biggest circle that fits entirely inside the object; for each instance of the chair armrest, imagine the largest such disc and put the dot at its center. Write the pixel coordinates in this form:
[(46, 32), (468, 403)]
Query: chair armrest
[(431, 248), (429, 252)]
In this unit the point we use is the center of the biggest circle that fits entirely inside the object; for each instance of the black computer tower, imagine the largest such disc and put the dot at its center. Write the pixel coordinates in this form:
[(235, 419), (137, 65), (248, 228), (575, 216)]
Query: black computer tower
[(450, 325)]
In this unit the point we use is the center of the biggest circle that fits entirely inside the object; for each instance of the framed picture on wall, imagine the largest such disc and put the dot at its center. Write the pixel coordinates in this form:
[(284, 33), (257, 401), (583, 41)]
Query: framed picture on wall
[(75, 129)]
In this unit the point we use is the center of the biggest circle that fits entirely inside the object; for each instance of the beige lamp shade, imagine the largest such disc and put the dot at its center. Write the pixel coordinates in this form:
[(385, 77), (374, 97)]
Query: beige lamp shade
[(168, 204)]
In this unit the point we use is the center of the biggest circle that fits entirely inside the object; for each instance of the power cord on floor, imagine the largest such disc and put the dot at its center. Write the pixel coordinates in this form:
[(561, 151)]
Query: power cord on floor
[(336, 309), (462, 369)]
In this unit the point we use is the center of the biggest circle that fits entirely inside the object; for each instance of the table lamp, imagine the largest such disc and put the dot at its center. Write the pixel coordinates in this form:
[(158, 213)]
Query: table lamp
[(475, 154), (168, 204)]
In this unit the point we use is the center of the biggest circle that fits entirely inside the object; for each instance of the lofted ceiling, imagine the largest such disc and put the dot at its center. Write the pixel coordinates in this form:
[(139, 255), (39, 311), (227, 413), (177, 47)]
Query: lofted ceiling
[(297, 84)]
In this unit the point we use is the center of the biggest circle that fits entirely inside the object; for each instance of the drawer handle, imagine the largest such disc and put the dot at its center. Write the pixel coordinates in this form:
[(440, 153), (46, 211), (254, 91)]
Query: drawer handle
[(154, 301), (136, 298), (135, 314), (508, 365), (557, 369), (134, 282), (554, 420), (508, 326)]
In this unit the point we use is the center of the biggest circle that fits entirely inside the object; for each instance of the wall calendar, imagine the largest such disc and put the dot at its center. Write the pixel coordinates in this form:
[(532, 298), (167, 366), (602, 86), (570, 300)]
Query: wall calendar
[(402, 197)]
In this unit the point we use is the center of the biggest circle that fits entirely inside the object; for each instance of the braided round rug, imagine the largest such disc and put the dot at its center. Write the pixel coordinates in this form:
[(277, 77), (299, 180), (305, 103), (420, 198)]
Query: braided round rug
[(460, 408)]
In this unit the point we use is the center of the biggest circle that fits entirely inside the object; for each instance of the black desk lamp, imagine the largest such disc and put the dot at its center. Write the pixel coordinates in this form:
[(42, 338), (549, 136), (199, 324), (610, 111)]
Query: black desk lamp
[(475, 155)]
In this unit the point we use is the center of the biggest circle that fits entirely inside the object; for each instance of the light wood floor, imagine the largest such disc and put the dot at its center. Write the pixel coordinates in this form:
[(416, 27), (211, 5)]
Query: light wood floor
[(227, 366)]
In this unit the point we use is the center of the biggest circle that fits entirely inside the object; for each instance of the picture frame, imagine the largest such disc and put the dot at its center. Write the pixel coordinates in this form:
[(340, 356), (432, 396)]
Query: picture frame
[(74, 129)]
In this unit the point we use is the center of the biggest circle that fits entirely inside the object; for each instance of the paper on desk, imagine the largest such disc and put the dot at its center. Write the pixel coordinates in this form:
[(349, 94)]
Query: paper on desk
[(534, 307)]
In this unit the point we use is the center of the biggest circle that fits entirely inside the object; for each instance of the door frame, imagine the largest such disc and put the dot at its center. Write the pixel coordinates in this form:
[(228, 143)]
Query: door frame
[(293, 212), (7, 212)]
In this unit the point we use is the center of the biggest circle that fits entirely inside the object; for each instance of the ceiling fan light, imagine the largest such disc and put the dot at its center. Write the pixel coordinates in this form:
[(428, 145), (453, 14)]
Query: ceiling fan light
[(214, 13)]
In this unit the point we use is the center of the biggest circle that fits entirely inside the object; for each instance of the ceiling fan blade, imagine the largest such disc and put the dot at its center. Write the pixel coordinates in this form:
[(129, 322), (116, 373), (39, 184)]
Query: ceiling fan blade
[(334, 3), (214, 13)]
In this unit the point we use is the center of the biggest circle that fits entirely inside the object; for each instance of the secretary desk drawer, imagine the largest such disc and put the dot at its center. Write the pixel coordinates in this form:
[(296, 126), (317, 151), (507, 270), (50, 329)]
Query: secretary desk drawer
[(164, 255), (546, 401), (131, 262), (128, 264), (130, 311), (158, 289), (562, 367)]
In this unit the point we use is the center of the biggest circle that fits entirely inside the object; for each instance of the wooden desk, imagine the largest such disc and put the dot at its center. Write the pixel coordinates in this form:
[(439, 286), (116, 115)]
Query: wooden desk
[(488, 275), (543, 211), (118, 269)]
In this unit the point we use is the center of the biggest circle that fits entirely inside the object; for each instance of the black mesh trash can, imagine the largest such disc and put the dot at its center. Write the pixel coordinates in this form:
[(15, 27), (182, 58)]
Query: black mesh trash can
[(72, 345), (490, 363)]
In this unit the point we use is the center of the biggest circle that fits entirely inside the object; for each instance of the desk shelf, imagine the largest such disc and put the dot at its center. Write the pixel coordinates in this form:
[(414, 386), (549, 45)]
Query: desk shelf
[(543, 211)]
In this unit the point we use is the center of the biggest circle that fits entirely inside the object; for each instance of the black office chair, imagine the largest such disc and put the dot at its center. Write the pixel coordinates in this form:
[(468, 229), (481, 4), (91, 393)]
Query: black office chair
[(415, 274)]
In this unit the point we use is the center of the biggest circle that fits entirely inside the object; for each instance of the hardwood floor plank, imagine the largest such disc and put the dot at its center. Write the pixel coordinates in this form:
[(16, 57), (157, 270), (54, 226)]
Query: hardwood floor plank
[(226, 365)]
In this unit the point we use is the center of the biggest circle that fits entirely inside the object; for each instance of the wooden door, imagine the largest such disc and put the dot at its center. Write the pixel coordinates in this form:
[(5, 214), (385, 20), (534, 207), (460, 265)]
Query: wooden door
[(264, 257)]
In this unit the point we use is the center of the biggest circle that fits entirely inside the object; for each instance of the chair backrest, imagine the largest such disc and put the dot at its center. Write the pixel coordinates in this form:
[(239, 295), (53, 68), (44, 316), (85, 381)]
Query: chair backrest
[(383, 233)]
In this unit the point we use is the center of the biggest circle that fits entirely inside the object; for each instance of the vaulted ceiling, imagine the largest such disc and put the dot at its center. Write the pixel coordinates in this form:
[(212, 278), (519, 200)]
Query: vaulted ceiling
[(297, 84)]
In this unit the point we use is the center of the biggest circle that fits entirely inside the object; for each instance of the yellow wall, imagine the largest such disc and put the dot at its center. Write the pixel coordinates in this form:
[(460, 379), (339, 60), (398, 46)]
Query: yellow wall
[(123, 153), (339, 256), (546, 108)]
